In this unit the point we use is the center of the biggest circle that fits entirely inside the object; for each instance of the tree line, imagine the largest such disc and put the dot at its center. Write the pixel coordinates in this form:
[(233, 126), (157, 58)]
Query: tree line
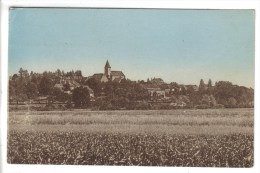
[(127, 94)]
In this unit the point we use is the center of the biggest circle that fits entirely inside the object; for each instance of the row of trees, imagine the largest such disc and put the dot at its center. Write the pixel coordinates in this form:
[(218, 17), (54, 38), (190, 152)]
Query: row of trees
[(127, 94)]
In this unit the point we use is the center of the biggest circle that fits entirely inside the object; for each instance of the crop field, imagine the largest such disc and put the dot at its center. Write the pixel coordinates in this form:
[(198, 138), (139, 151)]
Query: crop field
[(187, 138)]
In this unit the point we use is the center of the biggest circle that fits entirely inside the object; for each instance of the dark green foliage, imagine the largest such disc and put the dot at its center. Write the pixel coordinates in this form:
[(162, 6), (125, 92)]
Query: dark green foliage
[(31, 90), (202, 86), (45, 86), (95, 86), (66, 87), (80, 97), (232, 95)]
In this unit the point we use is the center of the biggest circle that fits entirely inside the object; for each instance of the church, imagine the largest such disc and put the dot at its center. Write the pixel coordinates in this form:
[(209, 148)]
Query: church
[(108, 75)]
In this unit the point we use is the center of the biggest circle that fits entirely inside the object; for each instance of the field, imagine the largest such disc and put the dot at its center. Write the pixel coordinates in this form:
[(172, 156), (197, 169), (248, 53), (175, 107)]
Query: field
[(197, 138)]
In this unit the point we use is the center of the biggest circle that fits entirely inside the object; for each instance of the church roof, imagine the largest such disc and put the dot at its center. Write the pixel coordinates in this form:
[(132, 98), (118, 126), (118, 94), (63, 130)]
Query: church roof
[(117, 80), (117, 73), (107, 65), (98, 76)]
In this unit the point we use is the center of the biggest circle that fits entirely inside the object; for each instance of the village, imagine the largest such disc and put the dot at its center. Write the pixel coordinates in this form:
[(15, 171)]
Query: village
[(112, 90)]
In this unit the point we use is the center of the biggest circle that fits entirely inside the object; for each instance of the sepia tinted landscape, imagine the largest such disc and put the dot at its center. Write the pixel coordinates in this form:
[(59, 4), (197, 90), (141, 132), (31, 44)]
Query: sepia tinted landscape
[(136, 110)]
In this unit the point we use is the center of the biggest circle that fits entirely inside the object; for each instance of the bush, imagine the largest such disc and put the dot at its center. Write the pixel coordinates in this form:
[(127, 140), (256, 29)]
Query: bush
[(142, 106)]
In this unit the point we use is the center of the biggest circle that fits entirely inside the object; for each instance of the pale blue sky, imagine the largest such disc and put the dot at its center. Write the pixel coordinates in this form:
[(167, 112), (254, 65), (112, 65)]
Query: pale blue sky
[(176, 45)]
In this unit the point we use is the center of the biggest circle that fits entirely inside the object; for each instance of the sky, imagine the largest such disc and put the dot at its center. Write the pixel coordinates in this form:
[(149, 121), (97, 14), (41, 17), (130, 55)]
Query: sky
[(180, 46)]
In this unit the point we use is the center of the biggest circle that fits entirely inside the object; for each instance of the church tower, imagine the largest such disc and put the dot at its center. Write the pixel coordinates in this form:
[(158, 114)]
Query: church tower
[(108, 70)]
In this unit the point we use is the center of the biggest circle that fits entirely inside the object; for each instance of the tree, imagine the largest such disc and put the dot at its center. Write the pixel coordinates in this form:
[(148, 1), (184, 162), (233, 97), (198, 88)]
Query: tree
[(202, 86), (183, 98), (209, 83), (140, 93), (78, 73), (45, 86), (190, 91), (195, 98), (213, 101), (81, 97), (66, 86), (34, 78), (60, 96), (183, 91), (58, 72), (12, 94), (31, 90), (95, 86), (223, 91), (15, 77), (205, 100), (210, 88), (232, 102)]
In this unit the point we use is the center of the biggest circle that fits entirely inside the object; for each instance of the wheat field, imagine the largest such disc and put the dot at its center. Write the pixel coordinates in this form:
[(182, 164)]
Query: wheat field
[(217, 137)]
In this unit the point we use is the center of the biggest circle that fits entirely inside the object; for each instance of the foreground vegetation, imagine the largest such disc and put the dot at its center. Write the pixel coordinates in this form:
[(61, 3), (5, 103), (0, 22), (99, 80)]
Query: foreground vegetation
[(218, 138), (117, 149)]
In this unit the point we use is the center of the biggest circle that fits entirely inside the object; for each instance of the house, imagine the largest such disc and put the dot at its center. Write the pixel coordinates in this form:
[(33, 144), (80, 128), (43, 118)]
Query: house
[(109, 75), (154, 90), (67, 81), (91, 92), (59, 86)]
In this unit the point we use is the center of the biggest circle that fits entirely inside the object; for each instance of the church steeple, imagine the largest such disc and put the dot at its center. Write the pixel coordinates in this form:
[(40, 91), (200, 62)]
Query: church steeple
[(107, 65), (107, 69)]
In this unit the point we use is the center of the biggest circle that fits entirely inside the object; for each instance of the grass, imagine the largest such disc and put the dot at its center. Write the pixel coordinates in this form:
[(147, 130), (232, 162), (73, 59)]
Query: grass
[(229, 120), (224, 121), (137, 129)]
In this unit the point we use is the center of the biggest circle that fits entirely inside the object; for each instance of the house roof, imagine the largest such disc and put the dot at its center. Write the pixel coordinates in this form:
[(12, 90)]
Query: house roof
[(117, 73), (98, 76), (107, 64), (74, 83), (117, 80), (89, 89), (58, 86)]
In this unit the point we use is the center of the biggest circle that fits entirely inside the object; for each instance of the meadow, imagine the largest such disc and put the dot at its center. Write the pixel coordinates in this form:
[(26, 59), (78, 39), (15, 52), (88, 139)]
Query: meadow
[(214, 138)]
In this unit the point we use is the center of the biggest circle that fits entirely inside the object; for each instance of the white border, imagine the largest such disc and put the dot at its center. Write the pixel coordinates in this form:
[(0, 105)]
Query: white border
[(185, 4)]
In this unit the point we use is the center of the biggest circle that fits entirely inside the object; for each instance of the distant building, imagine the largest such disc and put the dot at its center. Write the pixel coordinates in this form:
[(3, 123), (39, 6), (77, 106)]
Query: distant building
[(109, 75), (154, 90), (59, 86), (67, 81), (91, 92), (100, 77)]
